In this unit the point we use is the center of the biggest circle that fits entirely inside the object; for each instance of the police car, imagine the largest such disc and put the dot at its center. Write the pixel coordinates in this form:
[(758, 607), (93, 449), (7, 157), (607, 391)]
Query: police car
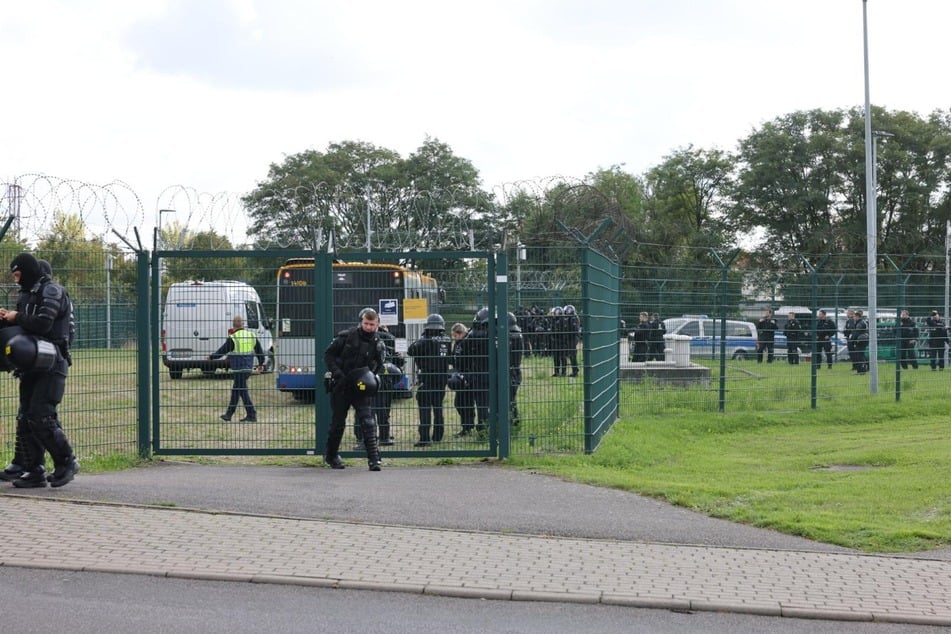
[(704, 333)]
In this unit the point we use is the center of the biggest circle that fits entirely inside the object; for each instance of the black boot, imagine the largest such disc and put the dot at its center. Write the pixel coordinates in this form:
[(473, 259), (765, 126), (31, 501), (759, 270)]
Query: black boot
[(371, 440), (14, 471), (64, 474), (373, 451), (331, 456), (334, 461), (32, 479)]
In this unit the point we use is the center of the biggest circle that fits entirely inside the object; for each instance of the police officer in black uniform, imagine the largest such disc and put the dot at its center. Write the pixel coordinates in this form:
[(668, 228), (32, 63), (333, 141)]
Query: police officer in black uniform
[(826, 331), (472, 360), (860, 337), (383, 401), (44, 313), (937, 340), (15, 469), (766, 334), (354, 359), (907, 341), (849, 331), (655, 344), (793, 331), (572, 335), (516, 351), (431, 353), (639, 340), (463, 401)]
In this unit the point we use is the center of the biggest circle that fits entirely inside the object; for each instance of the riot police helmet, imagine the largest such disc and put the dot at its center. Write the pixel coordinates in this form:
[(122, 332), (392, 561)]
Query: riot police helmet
[(456, 381), (363, 382), (435, 322), (26, 352), (392, 370)]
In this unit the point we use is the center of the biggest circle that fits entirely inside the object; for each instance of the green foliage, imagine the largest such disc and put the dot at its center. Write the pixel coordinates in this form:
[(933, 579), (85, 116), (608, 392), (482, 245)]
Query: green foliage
[(686, 203), (801, 181), (361, 194)]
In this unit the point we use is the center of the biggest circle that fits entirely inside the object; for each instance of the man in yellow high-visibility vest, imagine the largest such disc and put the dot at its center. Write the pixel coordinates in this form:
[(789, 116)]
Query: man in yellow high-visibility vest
[(241, 348)]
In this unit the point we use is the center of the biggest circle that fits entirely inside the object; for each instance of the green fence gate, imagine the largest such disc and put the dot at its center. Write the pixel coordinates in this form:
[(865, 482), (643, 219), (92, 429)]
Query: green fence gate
[(303, 298)]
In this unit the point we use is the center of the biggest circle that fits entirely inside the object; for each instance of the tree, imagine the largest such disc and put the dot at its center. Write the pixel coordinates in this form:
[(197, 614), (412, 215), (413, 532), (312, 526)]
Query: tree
[(914, 173), (801, 181), (582, 207), (367, 196), (179, 269), (78, 263), (446, 201), (792, 183), (312, 195), (688, 196)]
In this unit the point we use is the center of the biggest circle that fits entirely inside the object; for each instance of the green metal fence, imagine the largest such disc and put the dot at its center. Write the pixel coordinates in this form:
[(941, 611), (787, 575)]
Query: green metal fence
[(121, 398)]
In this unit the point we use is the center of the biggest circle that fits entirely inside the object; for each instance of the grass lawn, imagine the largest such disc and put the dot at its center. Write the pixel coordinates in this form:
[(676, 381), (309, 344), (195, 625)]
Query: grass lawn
[(874, 477)]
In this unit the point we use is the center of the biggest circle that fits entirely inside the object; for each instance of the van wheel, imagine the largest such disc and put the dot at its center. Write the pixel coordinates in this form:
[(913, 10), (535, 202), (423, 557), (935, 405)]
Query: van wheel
[(739, 355), (175, 374), (269, 362)]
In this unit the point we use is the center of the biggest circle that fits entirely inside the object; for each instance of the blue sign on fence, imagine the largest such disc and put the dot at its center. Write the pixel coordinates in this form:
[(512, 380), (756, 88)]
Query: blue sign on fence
[(389, 312)]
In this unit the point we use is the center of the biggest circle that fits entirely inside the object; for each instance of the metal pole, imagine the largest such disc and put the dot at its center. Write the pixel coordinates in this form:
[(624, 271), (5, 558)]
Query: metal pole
[(519, 256), (947, 272), (108, 300), (160, 244), (871, 221)]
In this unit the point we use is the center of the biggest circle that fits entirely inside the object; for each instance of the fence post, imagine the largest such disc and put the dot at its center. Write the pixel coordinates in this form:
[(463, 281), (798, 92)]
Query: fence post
[(721, 285), (900, 295), (503, 371), (816, 362), (323, 334), (147, 313)]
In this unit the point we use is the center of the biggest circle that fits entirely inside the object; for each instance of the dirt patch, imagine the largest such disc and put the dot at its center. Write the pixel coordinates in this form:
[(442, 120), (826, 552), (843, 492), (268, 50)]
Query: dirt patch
[(844, 467)]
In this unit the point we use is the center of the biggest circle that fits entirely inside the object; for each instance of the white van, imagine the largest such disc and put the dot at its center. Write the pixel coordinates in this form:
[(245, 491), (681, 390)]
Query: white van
[(198, 318), (704, 334)]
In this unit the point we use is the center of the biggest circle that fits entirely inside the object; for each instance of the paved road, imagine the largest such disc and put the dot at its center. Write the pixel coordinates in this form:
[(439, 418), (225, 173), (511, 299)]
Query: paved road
[(472, 531)]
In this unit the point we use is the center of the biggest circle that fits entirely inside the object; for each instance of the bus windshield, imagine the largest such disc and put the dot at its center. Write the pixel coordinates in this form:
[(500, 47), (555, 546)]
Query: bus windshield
[(355, 286)]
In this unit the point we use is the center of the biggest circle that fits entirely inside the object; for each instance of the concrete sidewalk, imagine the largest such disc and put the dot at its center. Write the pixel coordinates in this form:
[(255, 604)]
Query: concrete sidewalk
[(134, 539)]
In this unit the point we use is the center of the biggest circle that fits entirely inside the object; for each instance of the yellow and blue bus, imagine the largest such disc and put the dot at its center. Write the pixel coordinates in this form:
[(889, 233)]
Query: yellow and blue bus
[(355, 286)]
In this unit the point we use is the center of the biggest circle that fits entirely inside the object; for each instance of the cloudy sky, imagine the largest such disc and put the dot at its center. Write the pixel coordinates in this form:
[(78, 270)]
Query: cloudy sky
[(206, 94)]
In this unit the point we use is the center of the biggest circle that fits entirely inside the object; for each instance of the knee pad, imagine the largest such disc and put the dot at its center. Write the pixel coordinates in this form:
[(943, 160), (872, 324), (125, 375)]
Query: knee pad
[(368, 425), (48, 424)]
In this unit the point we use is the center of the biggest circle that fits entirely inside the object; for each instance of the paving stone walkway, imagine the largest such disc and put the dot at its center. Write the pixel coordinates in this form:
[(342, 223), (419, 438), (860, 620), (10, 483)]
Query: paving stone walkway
[(120, 538)]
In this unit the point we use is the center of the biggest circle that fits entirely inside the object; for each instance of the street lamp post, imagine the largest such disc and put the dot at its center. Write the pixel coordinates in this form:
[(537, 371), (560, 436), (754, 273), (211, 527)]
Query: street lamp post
[(871, 220), (947, 273)]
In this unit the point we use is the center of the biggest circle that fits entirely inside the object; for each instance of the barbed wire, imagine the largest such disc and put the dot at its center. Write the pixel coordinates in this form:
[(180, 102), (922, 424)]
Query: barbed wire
[(34, 200), (338, 218), (318, 216)]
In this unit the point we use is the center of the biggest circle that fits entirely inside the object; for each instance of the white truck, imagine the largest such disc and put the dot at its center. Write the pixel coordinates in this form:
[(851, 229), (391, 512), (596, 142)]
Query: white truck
[(198, 318)]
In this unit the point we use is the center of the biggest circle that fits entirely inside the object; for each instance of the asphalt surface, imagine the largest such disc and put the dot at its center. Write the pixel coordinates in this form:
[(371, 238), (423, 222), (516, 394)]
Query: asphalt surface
[(475, 531)]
